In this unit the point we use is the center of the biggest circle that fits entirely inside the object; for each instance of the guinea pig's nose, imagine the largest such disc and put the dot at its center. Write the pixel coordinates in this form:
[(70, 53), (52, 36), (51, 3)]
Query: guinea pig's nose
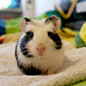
[(40, 50)]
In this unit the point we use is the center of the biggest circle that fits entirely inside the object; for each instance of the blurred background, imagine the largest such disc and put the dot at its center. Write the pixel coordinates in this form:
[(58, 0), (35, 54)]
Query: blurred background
[(28, 8), (71, 12)]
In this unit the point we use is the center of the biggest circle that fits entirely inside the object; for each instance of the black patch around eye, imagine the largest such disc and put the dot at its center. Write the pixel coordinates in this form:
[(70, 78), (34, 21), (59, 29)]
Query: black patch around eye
[(24, 50), (55, 37), (30, 34), (27, 20), (50, 34)]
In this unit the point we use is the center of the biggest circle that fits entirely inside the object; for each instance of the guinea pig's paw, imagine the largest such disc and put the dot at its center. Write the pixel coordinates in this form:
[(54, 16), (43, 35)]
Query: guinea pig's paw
[(49, 72)]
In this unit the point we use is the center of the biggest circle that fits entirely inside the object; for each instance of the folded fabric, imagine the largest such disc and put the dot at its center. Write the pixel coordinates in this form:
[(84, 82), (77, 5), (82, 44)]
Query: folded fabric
[(80, 39), (72, 71), (10, 37), (1, 40), (68, 35)]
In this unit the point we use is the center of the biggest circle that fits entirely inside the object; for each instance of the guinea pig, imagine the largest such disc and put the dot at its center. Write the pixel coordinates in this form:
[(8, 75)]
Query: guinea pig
[(39, 49)]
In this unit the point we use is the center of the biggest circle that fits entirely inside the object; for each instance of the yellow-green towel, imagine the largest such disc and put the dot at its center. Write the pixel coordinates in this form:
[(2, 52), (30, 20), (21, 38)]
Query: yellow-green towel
[(80, 39), (68, 35)]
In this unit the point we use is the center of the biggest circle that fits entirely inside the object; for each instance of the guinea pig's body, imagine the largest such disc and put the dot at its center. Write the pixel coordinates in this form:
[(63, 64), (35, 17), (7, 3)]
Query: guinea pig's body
[(39, 49)]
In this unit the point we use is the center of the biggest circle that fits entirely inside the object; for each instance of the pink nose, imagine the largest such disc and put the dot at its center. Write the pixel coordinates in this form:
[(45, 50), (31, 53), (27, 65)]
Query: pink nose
[(40, 50)]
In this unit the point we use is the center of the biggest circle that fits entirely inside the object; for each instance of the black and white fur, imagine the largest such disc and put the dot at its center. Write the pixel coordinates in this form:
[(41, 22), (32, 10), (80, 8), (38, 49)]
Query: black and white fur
[(37, 33)]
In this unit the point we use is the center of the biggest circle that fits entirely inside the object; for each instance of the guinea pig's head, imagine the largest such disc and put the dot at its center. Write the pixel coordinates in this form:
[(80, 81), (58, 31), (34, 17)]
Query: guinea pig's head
[(43, 39)]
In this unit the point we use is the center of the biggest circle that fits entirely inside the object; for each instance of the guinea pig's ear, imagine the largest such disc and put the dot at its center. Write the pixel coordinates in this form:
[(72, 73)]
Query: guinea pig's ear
[(56, 21), (23, 24)]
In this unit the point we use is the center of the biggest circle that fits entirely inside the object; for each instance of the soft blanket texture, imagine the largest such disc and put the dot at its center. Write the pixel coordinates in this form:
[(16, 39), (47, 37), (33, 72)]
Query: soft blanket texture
[(73, 70)]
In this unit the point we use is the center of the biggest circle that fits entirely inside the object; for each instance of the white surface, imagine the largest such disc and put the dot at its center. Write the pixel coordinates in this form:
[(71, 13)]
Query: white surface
[(5, 3), (81, 7), (42, 6), (39, 7), (25, 8)]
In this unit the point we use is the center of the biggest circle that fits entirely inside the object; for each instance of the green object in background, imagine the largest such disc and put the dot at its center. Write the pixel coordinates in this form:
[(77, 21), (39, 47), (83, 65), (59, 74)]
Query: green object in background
[(12, 25), (43, 16), (83, 83), (80, 39), (79, 42), (9, 7)]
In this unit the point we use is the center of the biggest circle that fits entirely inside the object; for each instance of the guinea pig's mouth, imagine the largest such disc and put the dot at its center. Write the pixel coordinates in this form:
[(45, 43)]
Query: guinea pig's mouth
[(40, 53)]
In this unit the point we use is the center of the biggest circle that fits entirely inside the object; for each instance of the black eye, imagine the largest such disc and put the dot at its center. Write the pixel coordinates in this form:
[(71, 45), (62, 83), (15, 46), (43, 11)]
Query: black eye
[(30, 34), (50, 34)]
